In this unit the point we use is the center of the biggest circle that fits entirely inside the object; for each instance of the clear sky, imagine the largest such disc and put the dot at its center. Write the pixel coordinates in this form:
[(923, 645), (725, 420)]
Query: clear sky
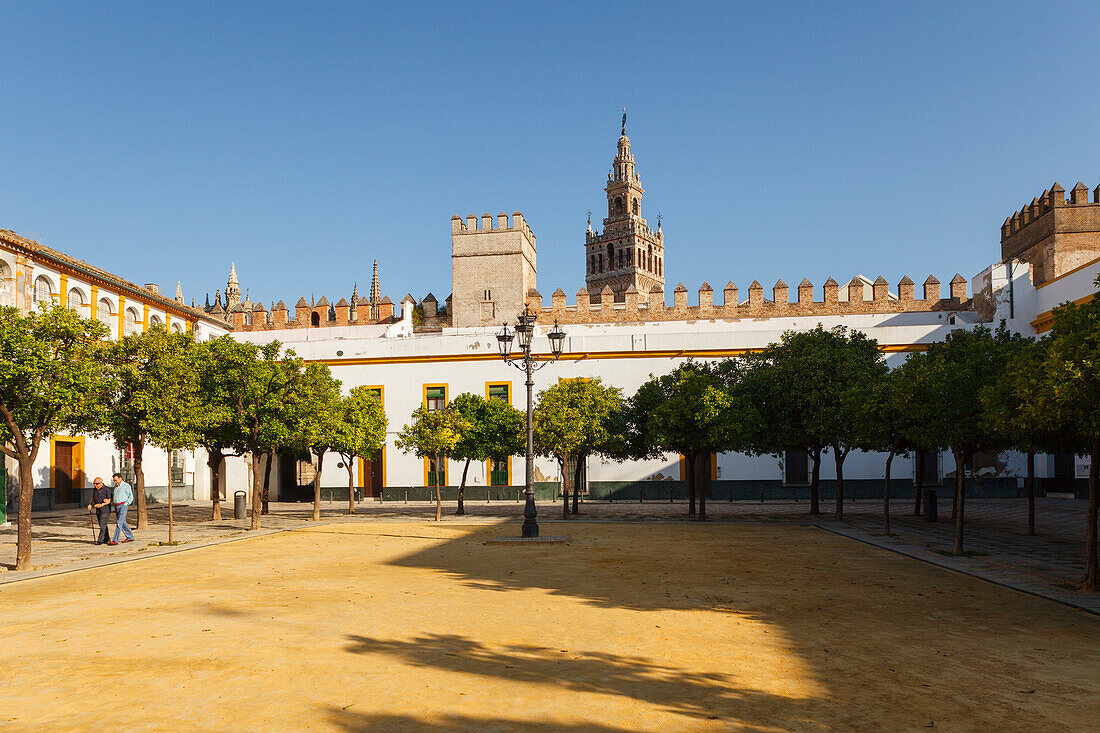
[(304, 140)]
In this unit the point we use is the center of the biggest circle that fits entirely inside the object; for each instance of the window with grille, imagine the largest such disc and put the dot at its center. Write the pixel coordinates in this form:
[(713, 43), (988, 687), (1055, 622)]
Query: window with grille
[(796, 468), (76, 300), (498, 472), (126, 463), (435, 398), (130, 324), (41, 290), (104, 312)]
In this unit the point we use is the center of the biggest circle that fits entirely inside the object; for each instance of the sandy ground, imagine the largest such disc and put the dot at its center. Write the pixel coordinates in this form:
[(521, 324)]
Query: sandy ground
[(418, 626)]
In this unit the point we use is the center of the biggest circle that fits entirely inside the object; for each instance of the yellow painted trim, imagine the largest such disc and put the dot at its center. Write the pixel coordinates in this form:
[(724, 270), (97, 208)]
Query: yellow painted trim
[(1067, 274), (446, 471), (145, 318), (78, 459), (121, 316), (425, 404), (580, 355), (1045, 321), (63, 289), (168, 322), (381, 398), (489, 472), (507, 384), (94, 312)]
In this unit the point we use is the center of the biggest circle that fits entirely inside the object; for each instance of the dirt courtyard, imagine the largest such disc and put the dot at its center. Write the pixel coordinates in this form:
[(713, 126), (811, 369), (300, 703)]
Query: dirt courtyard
[(413, 626)]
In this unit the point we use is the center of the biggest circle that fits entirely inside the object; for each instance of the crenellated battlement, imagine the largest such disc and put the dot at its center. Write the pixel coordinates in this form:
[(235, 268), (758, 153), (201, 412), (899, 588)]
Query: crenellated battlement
[(1053, 233), (488, 223), (859, 296), (1052, 198)]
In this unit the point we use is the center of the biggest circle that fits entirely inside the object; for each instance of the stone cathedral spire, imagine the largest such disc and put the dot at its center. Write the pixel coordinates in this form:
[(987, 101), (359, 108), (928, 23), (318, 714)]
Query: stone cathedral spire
[(232, 288), (375, 290), (627, 254)]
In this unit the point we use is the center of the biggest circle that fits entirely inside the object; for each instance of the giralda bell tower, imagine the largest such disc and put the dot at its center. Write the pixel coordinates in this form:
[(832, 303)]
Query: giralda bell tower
[(627, 253)]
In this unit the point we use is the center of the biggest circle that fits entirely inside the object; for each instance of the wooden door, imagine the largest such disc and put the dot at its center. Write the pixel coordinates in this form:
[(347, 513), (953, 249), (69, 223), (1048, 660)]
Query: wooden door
[(63, 473), (370, 475)]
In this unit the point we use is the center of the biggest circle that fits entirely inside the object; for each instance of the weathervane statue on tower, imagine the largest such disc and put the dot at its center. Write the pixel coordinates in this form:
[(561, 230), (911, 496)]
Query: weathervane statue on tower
[(624, 121)]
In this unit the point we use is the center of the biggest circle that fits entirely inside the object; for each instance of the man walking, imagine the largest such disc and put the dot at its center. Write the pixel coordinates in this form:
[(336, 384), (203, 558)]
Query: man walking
[(123, 498), (101, 501)]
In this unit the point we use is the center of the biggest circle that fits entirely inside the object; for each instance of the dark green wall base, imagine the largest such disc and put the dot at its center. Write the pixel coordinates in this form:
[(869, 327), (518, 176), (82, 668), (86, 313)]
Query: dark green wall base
[(773, 490)]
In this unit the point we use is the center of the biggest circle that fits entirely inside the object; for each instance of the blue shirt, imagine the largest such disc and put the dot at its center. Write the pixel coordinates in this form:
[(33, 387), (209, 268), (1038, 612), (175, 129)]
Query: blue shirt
[(123, 494)]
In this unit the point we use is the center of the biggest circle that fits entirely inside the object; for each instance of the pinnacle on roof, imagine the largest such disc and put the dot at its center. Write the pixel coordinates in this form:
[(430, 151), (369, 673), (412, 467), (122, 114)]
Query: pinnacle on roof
[(830, 283), (680, 288), (906, 280), (780, 284), (880, 280), (756, 285), (302, 303), (179, 291), (857, 280), (730, 286), (375, 291), (408, 299), (259, 307), (559, 291), (656, 288), (217, 308), (958, 279), (322, 302), (385, 299), (363, 301), (607, 289), (355, 293), (429, 298), (233, 273), (280, 306), (342, 303), (632, 289), (705, 286), (805, 283)]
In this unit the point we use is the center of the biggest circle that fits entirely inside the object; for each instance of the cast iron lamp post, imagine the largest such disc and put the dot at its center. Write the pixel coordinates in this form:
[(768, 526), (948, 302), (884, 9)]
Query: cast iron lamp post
[(525, 331)]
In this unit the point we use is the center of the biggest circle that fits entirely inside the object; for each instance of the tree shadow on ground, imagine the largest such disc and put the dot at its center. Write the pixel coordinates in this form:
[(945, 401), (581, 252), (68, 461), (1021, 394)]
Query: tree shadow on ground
[(363, 722), (703, 696)]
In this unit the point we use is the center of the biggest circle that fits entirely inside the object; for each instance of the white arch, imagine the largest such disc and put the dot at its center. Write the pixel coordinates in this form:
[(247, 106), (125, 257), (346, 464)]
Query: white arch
[(7, 284), (154, 320), (176, 327)]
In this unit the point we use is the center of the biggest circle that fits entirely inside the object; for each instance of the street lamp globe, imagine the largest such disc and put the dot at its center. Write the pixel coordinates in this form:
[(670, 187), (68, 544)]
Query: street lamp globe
[(504, 342), (557, 340)]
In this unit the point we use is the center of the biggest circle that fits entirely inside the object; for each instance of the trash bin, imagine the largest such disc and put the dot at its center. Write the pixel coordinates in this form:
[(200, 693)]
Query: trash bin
[(931, 511), (239, 507)]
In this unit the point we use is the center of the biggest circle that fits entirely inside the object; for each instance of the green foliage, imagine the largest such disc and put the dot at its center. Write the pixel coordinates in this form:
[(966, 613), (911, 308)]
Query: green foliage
[(1068, 394), (154, 389), (315, 420), (432, 432), (698, 408), (495, 429), (50, 380), (574, 417), (806, 385), (361, 424)]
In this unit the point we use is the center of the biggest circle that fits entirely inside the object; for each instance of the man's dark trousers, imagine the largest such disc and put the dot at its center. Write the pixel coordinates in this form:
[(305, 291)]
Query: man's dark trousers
[(104, 517)]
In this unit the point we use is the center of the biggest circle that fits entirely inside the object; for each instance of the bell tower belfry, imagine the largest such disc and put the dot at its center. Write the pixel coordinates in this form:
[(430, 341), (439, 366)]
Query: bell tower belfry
[(627, 253)]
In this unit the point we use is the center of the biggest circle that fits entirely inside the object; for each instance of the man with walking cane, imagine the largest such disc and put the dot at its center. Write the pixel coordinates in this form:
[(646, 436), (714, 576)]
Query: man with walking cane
[(123, 497), (101, 501)]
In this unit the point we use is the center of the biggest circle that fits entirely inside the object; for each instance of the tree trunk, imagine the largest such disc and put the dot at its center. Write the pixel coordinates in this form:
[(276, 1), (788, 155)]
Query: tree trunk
[(214, 461), (886, 494), (26, 499), (317, 486), (702, 482), (269, 456), (577, 468), (838, 459), (257, 489), (170, 497), (922, 456), (815, 476), (439, 491), (960, 495), (351, 485), (565, 486), (1090, 581), (139, 484), (689, 469), (462, 486), (1031, 493)]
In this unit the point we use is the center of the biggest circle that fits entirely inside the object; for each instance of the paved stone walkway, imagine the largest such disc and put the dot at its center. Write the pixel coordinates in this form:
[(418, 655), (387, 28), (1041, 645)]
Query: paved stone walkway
[(1046, 564)]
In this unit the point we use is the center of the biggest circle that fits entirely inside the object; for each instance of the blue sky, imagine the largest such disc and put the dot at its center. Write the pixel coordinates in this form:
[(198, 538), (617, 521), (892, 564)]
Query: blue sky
[(304, 140)]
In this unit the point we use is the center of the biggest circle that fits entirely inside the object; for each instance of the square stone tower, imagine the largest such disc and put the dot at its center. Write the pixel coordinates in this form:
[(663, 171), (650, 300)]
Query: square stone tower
[(1052, 234), (492, 269)]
